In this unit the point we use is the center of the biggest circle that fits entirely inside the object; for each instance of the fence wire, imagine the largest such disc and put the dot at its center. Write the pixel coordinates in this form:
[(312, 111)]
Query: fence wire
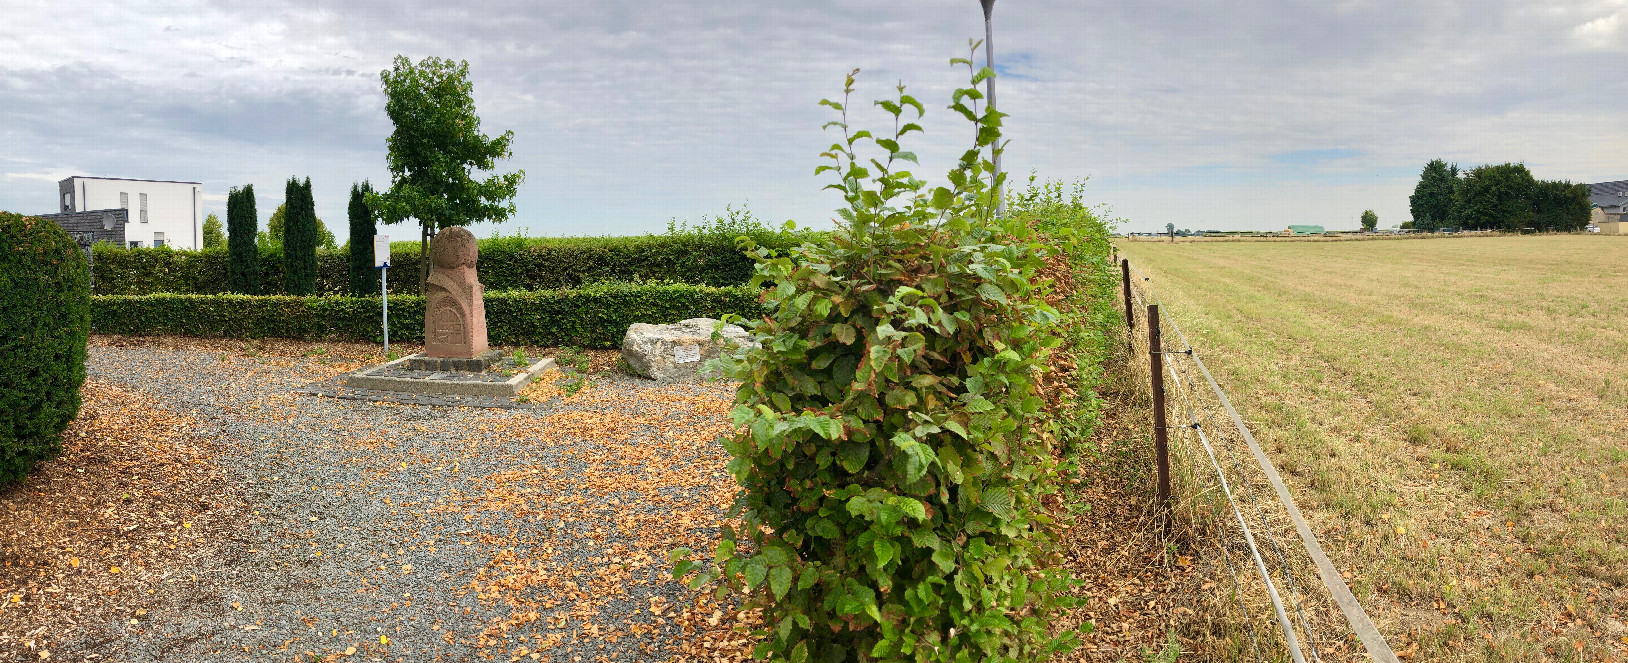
[(1304, 609)]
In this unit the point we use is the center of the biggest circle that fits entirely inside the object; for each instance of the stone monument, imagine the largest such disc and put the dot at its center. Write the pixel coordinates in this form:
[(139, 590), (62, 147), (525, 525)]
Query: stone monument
[(454, 308)]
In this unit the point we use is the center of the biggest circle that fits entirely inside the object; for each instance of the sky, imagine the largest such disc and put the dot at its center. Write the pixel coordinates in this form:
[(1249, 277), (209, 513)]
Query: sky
[(627, 115)]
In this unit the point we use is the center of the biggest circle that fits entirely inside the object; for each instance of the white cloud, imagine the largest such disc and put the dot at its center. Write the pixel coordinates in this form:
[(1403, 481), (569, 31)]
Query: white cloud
[(628, 113)]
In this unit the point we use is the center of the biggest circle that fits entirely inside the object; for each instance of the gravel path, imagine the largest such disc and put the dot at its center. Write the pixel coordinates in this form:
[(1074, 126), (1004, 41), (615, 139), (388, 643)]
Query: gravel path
[(407, 532)]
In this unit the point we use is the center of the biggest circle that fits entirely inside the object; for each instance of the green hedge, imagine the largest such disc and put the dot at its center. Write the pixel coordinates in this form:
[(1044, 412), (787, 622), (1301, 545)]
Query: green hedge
[(44, 293), (595, 316), (506, 263)]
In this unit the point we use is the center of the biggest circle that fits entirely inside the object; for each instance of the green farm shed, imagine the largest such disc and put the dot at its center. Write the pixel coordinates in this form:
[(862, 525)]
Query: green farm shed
[(1304, 230)]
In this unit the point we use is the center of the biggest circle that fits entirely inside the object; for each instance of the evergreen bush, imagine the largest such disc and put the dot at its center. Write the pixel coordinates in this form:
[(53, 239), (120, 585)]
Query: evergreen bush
[(243, 263), (364, 277), (300, 239), (44, 323), (890, 455)]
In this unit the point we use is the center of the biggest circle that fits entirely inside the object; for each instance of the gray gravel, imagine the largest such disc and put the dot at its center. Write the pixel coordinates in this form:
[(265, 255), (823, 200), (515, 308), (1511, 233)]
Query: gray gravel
[(375, 486)]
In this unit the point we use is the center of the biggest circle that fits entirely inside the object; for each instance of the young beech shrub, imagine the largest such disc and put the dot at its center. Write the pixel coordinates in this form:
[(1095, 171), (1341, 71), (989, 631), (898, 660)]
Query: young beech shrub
[(888, 453), (44, 322)]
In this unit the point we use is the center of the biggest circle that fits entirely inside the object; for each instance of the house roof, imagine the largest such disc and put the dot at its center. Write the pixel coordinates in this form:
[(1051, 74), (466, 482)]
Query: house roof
[(124, 179), (1608, 194)]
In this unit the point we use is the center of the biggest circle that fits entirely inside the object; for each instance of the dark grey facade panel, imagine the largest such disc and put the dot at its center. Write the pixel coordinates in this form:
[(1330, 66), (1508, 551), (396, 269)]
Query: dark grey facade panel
[(94, 226)]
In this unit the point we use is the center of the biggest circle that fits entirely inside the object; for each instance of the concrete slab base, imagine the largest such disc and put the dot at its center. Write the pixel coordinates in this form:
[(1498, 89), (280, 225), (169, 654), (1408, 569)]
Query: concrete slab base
[(446, 382)]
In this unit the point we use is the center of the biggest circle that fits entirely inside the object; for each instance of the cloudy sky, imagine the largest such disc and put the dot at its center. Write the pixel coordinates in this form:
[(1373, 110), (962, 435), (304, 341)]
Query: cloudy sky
[(1233, 115)]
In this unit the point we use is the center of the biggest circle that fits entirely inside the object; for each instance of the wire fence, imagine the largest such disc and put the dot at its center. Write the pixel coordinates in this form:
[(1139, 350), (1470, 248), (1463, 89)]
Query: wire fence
[(1218, 486)]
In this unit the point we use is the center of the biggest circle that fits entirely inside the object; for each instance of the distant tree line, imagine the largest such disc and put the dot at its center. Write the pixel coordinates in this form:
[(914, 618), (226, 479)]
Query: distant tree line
[(1495, 197)]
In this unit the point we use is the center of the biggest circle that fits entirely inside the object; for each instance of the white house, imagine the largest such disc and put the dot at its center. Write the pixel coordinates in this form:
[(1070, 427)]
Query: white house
[(161, 213)]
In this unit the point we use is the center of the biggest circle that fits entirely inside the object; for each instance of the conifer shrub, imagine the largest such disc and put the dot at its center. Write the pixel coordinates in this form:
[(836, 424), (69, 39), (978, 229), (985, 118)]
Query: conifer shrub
[(44, 323), (889, 450), (364, 277), (243, 256), (300, 239)]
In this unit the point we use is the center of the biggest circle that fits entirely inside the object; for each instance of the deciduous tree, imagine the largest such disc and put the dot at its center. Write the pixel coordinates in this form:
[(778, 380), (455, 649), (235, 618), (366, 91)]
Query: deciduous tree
[(435, 149), (1496, 197), (1560, 206), (213, 235), (272, 236), (1432, 201), (1370, 220)]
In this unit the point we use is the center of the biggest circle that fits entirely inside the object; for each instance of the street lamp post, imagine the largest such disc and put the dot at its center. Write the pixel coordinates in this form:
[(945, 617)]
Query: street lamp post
[(989, 58)]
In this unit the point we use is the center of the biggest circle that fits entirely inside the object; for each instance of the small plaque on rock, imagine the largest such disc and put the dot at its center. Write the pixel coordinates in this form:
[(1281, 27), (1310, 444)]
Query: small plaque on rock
[(684, 354)]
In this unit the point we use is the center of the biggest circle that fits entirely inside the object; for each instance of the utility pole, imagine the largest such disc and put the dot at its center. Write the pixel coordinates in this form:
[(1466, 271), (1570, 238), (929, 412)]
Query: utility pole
[(989, 58)]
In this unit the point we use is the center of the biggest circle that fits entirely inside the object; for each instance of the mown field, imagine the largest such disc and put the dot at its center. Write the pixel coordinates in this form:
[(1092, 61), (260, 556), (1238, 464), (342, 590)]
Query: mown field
[(1452, 414)]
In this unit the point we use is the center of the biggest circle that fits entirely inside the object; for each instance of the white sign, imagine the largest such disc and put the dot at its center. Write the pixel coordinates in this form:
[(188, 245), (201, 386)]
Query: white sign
[(684, 354), (381, 250)]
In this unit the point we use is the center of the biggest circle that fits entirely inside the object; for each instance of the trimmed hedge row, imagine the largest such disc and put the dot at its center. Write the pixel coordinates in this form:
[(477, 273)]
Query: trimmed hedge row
[(44, 294), (595, 316), (703, 258)]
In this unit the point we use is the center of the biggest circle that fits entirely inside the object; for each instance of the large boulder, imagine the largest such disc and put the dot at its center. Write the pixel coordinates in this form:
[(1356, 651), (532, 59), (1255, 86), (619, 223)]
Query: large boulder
[(676, 352)]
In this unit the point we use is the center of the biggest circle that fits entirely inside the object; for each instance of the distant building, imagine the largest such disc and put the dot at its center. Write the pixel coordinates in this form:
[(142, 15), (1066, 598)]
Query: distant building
[(1304, 230), (159, 213), (1608, 200)]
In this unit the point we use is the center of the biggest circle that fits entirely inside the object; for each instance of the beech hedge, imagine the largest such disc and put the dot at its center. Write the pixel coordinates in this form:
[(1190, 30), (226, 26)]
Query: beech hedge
[(595, 316), (506, 263)]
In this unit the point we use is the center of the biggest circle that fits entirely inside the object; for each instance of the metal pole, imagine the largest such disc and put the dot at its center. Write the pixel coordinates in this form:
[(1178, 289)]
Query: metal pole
[(384, 294), (989, 59), (1161, 440)]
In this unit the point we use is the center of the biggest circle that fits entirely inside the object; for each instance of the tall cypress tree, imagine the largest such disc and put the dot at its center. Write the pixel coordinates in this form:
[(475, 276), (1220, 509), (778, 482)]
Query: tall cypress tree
[(243, 258), (300, 239), (364, 279)]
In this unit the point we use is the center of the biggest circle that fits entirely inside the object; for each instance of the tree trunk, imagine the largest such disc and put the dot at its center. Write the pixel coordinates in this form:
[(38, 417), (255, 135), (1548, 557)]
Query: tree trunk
[(423, 257)]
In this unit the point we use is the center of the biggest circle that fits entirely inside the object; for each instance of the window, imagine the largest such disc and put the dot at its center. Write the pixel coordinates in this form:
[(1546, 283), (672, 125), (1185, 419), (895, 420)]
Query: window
[(158, 240), (144, 208), (135, 244), (67, 201), (124, 200)]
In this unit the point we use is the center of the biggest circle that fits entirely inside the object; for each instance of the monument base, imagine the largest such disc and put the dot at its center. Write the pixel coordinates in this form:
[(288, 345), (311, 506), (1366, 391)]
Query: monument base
[(476, 364), (500, 377)]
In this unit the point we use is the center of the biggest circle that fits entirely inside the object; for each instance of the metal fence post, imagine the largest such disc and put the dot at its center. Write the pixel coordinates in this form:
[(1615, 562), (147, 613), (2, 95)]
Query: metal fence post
[(1161, 440)]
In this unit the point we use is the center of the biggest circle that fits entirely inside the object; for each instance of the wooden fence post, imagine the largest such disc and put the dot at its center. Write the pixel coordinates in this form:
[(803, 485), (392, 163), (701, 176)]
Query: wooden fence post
[(1130, 313), (1161, 440)]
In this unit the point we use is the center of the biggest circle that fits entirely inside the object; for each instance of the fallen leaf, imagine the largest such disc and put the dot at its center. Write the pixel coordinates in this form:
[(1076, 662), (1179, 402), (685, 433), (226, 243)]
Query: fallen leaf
[(113, 570), (350, 650), (250, 627), (382, 639)]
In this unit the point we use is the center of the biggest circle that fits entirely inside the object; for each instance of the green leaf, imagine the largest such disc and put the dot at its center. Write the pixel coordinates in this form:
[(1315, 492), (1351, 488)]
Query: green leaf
[(844, 333), (999, 502), (807, 578), (756, 570), (780, 581), (885, 551), (852, 456), (799, 654)]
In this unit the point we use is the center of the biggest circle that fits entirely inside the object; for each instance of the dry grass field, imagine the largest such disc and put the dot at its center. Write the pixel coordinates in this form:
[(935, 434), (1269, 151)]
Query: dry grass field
[(1451, 414)]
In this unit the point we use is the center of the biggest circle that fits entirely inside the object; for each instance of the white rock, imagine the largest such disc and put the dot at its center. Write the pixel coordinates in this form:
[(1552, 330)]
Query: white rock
[(677, 351)]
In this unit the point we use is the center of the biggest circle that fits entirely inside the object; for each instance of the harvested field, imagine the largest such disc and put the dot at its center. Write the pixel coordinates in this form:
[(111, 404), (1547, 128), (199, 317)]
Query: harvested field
[(1452, 416)]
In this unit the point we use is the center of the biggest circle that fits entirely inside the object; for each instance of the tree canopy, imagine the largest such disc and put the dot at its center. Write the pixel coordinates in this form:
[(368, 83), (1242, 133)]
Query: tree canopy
[(272, 236), (1432, 199), (435, 149), (213, 235), (1370, 220)]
